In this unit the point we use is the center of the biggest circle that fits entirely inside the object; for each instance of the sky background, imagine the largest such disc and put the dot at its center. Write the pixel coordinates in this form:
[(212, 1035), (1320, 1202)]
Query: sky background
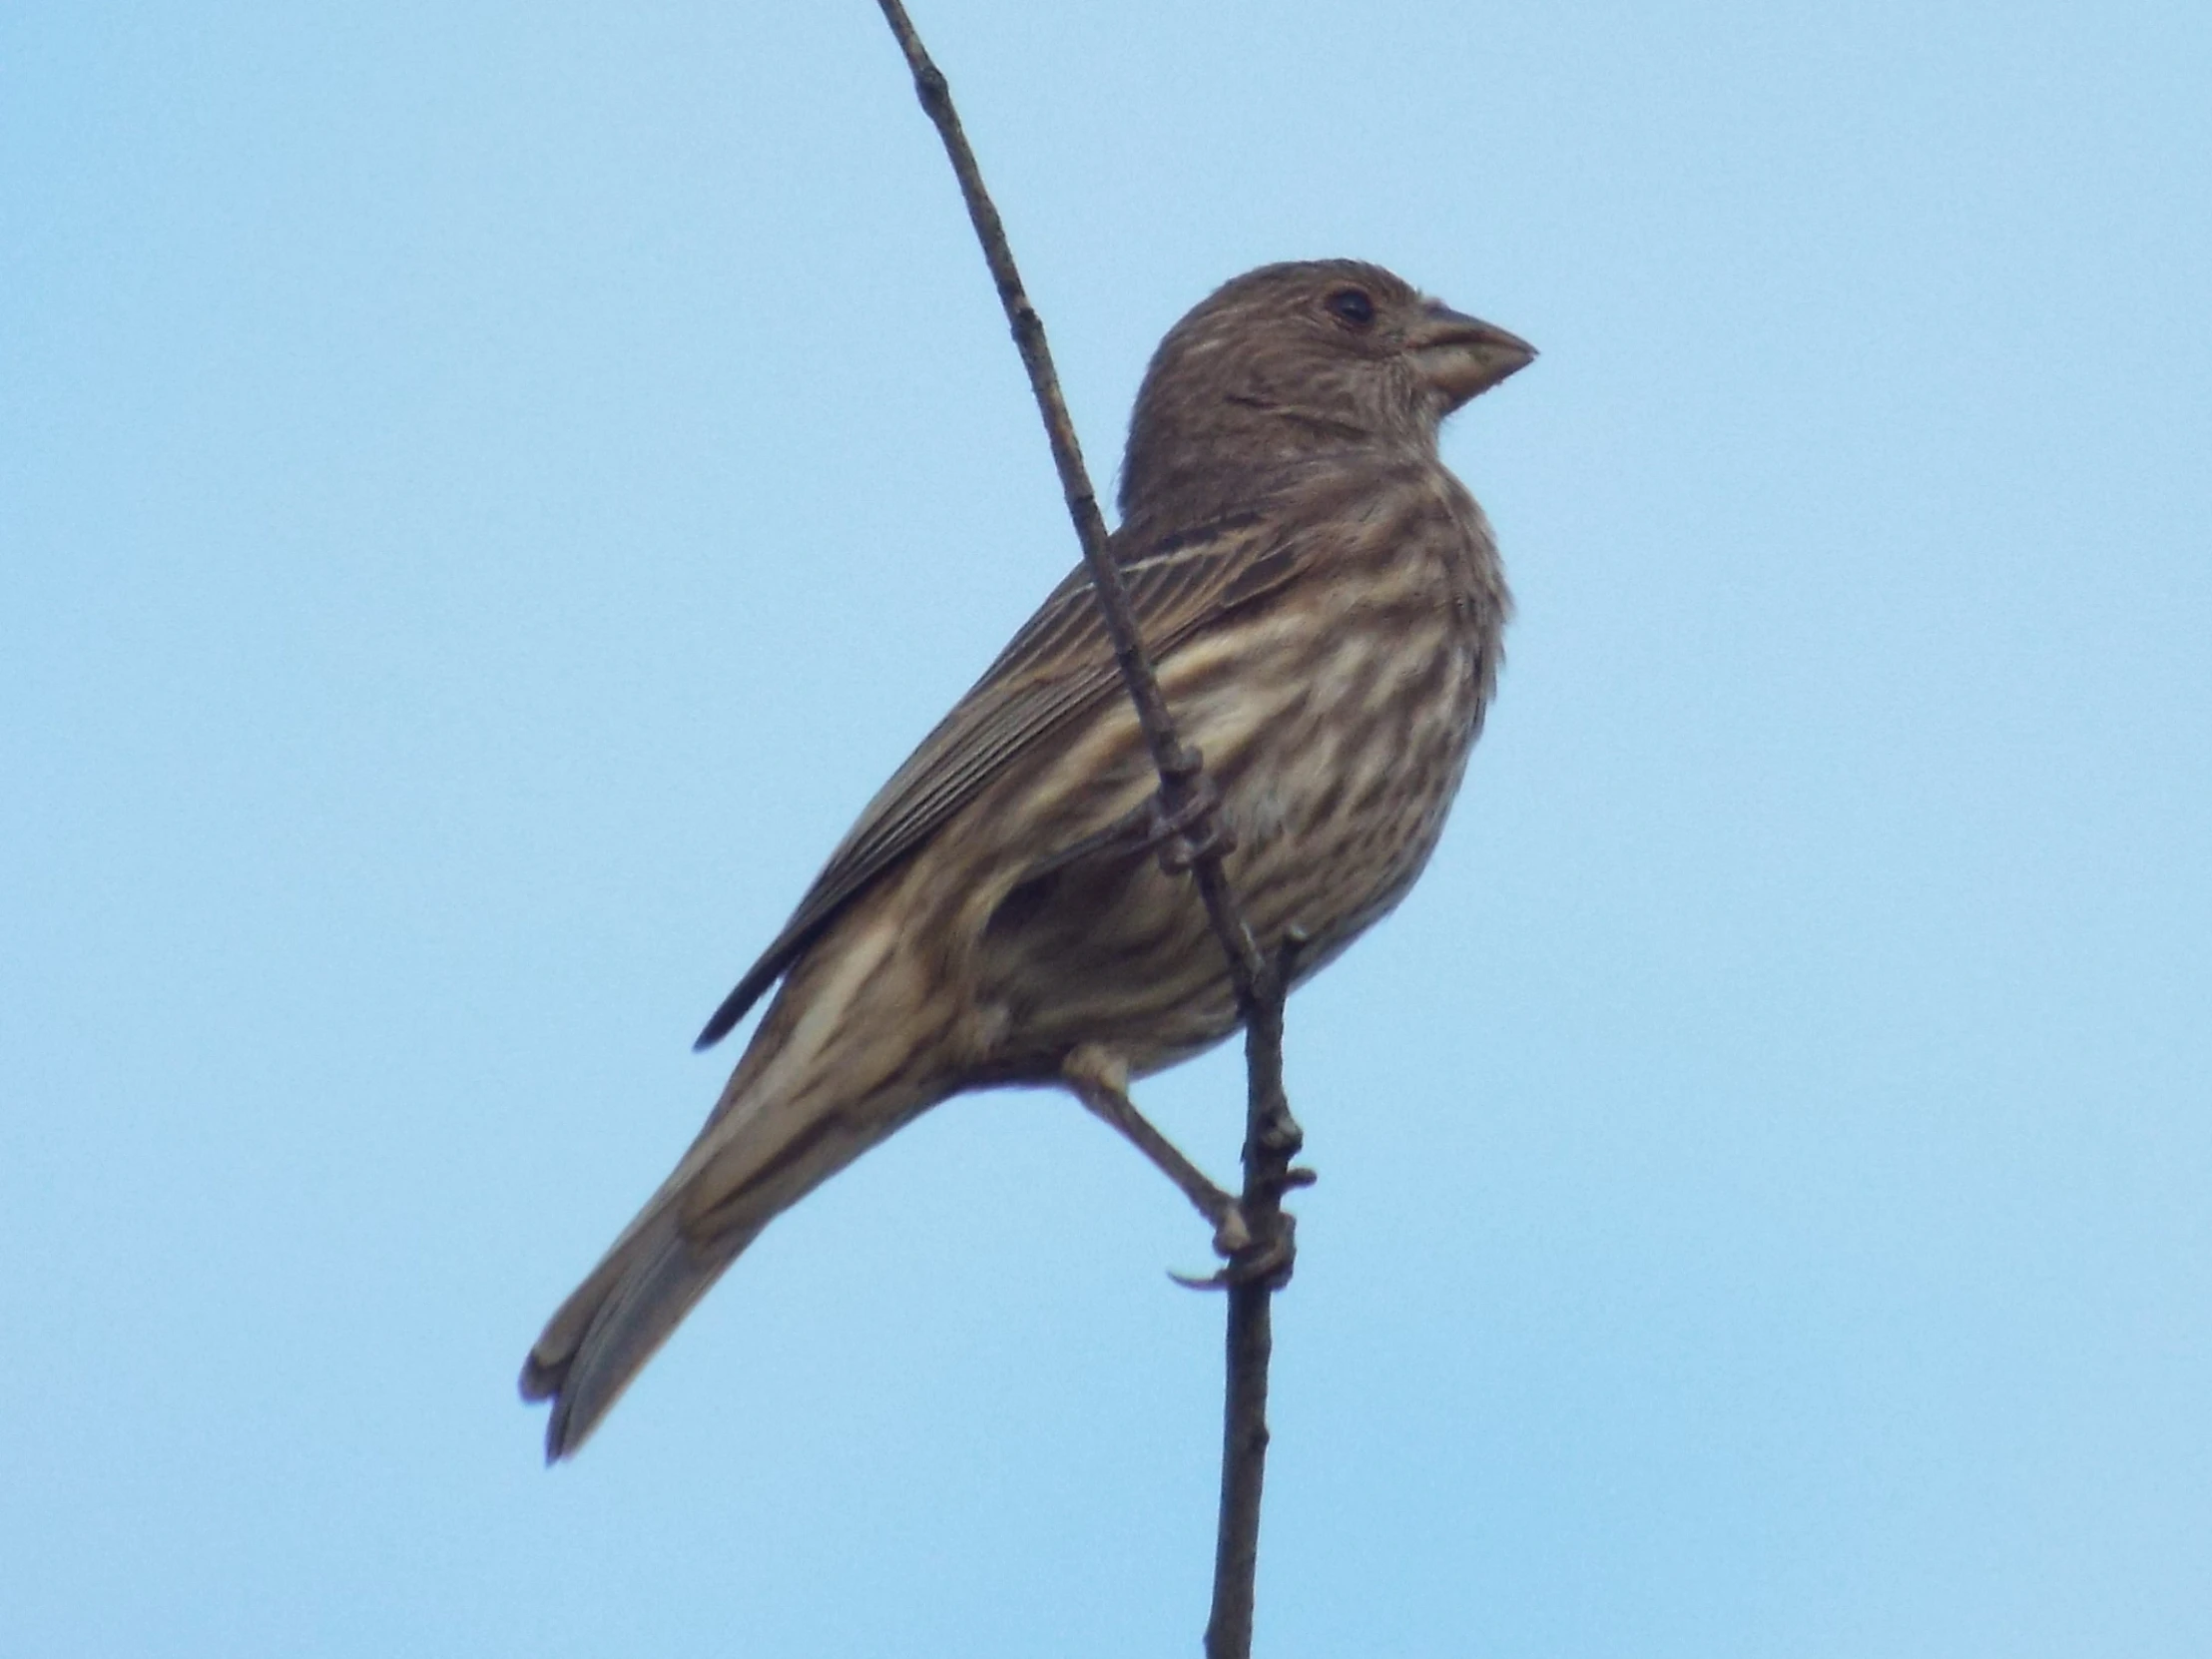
[(486, 493)]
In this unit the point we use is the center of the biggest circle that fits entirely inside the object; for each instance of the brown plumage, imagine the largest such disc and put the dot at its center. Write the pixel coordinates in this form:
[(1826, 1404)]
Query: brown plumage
[(1324, 603)]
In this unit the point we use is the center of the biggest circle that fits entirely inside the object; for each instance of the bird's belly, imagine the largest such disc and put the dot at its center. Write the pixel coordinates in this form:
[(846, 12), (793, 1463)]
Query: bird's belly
[(1337, 746), (1338, 806)]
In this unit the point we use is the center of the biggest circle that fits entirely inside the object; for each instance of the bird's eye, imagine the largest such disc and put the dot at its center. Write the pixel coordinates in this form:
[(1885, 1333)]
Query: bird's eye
[(1351, 307)]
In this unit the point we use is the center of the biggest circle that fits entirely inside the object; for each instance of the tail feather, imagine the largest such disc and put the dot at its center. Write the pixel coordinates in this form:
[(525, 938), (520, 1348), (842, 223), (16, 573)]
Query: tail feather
[(618, 1319), (700, 1222), (825, 1079)]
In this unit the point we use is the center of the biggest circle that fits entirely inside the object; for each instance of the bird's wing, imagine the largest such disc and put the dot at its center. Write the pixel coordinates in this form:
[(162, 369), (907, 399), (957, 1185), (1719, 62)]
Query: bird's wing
[(1060, 664)]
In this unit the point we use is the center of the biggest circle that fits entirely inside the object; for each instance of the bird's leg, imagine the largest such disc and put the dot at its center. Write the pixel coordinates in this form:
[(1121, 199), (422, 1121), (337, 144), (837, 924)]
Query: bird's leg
[(1101, 1081)]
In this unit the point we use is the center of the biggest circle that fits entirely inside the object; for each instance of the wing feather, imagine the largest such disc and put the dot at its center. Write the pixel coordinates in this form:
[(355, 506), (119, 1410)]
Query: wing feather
[(1059, 665)]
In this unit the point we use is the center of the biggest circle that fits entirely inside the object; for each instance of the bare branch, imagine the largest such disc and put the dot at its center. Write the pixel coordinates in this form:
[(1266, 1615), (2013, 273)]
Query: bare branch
[(1272, 1141), (1178, 766), (1272, 1137)]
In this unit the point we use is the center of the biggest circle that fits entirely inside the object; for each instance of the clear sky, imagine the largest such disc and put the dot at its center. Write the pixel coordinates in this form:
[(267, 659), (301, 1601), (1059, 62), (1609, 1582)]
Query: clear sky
[(487, 492)]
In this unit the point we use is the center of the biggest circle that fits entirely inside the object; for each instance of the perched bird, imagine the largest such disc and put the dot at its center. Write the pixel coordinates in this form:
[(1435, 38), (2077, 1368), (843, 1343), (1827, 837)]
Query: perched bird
[(1324, 603)]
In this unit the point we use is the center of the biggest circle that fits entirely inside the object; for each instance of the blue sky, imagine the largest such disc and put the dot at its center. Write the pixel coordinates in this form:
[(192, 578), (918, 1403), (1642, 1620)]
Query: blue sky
[(487, 493)]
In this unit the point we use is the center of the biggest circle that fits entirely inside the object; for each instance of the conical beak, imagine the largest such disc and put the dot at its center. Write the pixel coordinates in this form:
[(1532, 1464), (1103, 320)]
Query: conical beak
[(1462, 357)]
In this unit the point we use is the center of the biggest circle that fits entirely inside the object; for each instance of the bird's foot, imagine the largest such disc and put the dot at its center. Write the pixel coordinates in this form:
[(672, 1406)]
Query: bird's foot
[(1248, 1260), (1263, 1262), (1100, 1080)]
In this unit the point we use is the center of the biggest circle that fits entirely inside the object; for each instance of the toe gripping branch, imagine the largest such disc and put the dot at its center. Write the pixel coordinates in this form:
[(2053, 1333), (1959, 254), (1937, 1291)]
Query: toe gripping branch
[(1252, 1235), (1273, 1141), (1270, 1251)]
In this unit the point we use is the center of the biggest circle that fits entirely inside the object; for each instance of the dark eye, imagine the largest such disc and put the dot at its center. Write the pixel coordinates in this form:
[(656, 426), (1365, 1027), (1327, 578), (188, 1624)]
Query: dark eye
[(1351, 307)]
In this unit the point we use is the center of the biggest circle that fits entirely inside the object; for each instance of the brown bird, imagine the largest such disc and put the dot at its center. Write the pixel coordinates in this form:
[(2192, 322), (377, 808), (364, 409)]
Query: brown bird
[(1324, 603)]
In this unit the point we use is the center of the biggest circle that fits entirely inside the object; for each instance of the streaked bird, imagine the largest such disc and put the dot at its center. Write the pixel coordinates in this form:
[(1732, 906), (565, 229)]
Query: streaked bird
[(1325, 604)]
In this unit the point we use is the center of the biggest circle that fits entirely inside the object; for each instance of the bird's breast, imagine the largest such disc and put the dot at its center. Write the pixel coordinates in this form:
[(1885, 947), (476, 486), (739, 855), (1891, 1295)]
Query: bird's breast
[(1340, 739), (1335, 717)]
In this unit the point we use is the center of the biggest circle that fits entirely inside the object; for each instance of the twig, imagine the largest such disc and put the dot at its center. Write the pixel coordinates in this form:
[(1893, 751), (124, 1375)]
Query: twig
[(1178, 766), (1271, 1140), (1271, 1137)]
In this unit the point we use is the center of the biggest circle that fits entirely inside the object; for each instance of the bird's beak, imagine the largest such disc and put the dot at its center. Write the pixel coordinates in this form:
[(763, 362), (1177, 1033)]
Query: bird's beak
[(1462, 357)]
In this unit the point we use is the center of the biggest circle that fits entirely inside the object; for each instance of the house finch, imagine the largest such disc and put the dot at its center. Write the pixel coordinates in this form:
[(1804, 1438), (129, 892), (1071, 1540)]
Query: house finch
[(1323, 602)]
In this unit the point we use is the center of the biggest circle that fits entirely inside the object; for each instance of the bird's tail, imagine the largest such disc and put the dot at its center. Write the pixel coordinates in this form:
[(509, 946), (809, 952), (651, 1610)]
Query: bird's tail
[(835, 1068), (614, 1322), (763, 1151)]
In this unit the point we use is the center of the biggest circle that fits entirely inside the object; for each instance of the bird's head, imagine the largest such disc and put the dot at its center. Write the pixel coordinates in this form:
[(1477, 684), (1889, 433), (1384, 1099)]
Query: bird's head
[(1294, 361)]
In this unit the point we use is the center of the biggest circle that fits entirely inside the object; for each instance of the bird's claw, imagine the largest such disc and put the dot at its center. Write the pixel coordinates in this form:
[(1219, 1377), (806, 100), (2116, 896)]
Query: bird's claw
[(1246, 1260), (1267, 1262)]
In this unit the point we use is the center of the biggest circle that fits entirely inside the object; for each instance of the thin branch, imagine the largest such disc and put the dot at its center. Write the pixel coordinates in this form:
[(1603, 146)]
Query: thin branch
[(1272, 1141), (1179, 767), (1272, 1137)]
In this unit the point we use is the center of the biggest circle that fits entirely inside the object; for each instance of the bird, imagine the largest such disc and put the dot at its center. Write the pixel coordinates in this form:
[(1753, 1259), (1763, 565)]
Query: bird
[(1325, 606)]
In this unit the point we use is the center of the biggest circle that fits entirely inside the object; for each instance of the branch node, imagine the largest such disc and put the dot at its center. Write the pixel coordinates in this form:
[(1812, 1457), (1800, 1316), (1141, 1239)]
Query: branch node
[(934, 89)]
